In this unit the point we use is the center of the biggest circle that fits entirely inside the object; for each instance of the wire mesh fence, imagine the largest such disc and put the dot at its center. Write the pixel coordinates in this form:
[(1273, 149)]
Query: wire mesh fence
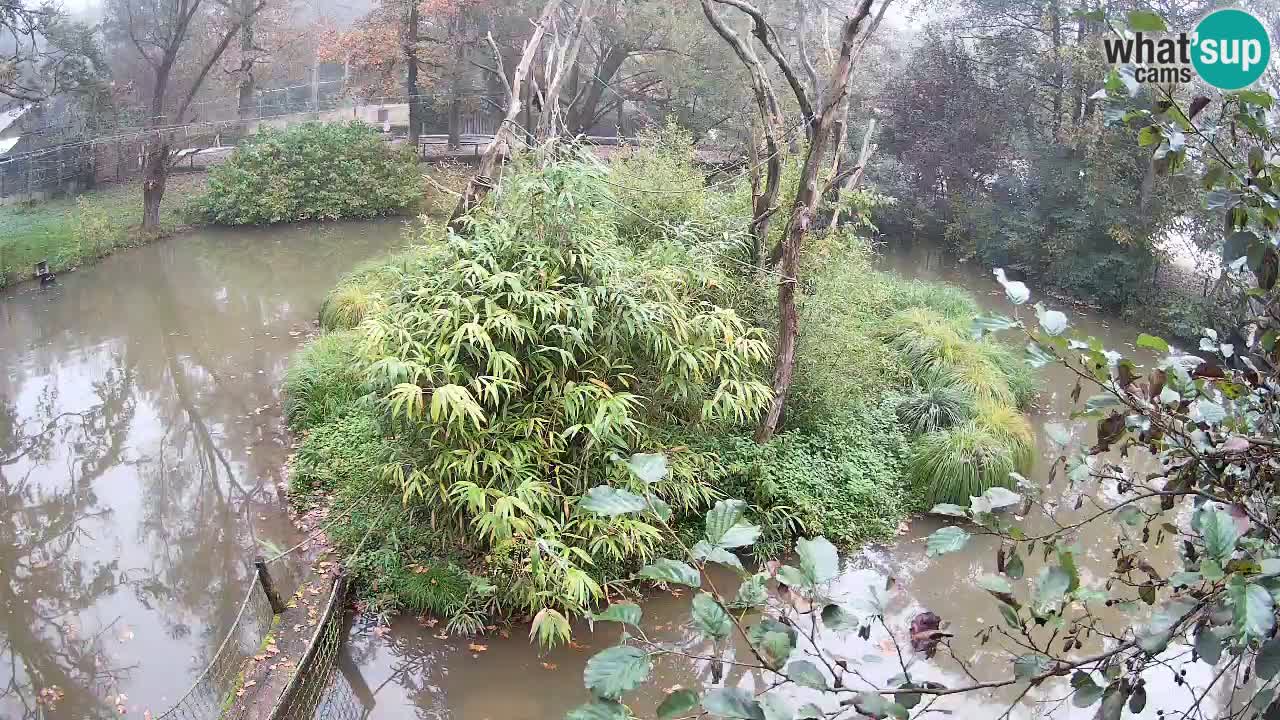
[(312, 692), (214, 690)]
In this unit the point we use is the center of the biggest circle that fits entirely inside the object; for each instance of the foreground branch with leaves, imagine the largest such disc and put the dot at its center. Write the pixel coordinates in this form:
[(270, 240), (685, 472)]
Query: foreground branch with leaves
[(1186, 457)]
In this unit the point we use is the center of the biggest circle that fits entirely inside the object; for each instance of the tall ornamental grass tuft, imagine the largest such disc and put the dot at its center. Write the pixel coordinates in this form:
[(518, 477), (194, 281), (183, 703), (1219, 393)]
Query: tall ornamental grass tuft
[(950, 466)]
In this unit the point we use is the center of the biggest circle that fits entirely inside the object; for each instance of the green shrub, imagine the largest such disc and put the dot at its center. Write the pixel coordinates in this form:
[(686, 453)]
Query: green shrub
[(538, 350), (312, 171), (658, 182), (936, 408), (341, 452), (322, 381), (843, 481)]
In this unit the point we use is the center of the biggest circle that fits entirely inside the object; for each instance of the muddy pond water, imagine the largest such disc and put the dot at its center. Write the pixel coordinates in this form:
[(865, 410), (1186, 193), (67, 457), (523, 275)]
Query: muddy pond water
[(141, 461), (141, 457)]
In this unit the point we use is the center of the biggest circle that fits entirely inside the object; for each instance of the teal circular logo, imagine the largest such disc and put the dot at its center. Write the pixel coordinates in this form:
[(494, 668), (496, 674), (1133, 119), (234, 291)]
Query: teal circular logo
[(1231, 49)]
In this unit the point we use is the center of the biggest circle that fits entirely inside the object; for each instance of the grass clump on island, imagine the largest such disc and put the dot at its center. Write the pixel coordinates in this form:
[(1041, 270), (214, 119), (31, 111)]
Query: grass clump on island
[(70, 232), (471, 390)]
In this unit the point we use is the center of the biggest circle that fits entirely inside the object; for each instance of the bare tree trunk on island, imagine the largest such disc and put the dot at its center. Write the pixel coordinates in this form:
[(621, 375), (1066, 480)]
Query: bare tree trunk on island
[(481, 183), (806, 202)]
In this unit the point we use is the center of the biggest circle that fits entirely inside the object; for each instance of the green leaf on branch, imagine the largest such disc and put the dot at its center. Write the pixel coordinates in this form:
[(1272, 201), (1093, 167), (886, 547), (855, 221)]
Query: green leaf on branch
[(608, 501), (677, 704), (752, 592), (1219, 532), (671, 571), (1050, 590), (1151, 342), (773, 640), (999, 497), (1155, 637), (703, 550), (995, 584), (616, 670), (984, 324), (732, 703), (1146, 21), (1058, 434), (1014, 568), (725, 527), (1208, 645), (709, 618), (1267, 663), (649, 467), (627, 613), (1026, 667), (1253, 608), (807, 674), (819, 560), (1256, 97), (878, 706), (1087, 692), (838, 619), (946, 540), (1138, 700)]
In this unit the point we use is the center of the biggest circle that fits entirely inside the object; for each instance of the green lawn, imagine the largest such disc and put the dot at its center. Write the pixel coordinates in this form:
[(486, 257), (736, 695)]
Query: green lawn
[(70, 232)]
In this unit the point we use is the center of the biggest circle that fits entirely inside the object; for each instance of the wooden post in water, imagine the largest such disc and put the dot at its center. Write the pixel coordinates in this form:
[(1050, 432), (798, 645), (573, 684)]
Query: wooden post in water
[(268, 586)]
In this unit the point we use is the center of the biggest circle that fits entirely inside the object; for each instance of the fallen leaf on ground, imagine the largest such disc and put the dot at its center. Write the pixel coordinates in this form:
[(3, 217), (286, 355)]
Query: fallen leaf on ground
[(476, 647), (550, 666)]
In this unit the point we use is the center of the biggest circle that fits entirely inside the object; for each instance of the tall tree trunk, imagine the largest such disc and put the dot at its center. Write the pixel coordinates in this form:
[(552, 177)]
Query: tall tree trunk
[(315, 85), (562, 56), (585, 114), (1055, 21), (481, 183), (155, 175), (455, 95), (771, 124), (247, 83), (1077, 69), (155, 157), (411, 81), (807, 196), (757, 186)]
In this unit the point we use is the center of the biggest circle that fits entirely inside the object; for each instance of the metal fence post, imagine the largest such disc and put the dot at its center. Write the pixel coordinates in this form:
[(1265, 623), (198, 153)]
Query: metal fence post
[(268, 586)]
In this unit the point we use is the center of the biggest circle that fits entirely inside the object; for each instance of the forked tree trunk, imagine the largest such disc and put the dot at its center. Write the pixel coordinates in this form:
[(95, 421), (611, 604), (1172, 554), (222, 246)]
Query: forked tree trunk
[(481, 183), (806, 202)]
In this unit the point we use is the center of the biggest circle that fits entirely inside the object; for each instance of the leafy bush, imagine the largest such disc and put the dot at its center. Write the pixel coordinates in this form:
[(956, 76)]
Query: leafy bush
[(657, 181), (540, 349), (843, 480), (365, 289), (322, 381), (312, 171), (338, 453)]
